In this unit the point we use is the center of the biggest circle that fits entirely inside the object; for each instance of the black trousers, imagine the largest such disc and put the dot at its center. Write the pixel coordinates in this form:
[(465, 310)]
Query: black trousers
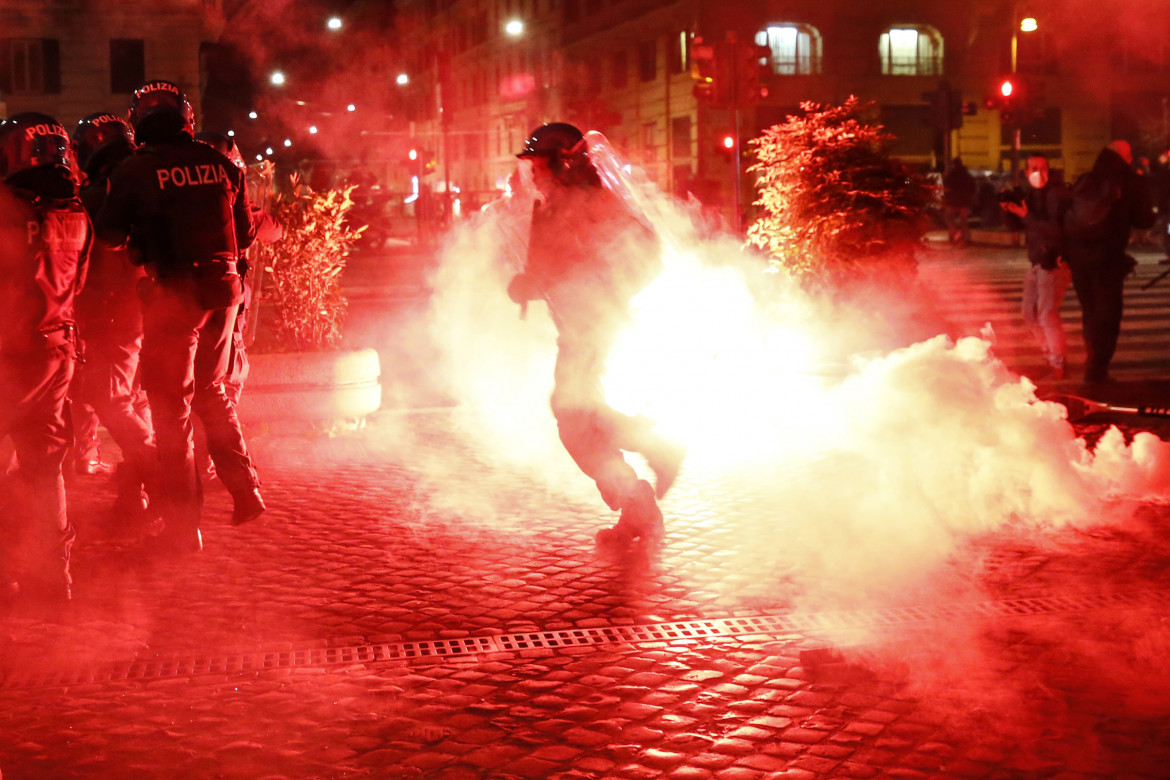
[(1099, 281), (185, 354), (33, 385)]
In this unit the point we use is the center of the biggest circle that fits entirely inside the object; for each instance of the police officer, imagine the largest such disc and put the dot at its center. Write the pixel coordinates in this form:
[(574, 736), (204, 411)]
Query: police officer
[(265, 230), (185, 208), (45, 238), (587, 258), (110, 316)]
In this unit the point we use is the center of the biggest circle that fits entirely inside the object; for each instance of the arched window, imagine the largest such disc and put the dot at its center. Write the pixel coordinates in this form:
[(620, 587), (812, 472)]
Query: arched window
[(796, 48), (911, 50)]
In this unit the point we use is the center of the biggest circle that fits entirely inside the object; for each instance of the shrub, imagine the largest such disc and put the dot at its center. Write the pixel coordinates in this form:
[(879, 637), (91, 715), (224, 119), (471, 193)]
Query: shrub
[(301, 281), (837, 208)]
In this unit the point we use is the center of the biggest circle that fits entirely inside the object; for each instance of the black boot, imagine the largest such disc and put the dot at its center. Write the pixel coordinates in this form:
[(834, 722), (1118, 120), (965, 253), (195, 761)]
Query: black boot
[(249, 506)]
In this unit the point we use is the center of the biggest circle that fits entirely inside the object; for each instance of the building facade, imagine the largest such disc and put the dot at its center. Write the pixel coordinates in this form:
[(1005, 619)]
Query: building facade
[(502, 67), (70, 58)]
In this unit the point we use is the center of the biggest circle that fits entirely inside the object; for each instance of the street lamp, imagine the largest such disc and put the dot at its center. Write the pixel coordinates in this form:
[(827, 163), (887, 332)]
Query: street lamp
[(1026, 24), (402, 80), (334, 23), (277, 78), (514, 27)]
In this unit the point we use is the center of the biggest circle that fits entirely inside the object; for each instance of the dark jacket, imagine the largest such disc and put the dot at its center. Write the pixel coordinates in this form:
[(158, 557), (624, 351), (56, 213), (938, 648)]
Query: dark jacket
[(588, 255), (110, 298), (1043, 232), (1132, 207), (181, 204), (959, 187), (44, 249)]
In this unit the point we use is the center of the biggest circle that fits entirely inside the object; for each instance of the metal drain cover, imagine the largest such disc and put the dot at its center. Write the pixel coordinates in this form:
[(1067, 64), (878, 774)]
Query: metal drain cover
[(30, 672)]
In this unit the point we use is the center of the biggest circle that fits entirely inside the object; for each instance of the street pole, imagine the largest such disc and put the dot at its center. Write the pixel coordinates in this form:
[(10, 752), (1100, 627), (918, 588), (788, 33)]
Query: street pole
[(734, 53), (444, 73), (738, 176), (1017, 117)]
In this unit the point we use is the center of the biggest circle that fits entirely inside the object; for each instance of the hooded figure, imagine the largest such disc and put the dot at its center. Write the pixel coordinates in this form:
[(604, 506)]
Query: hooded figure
[(1106, 204)]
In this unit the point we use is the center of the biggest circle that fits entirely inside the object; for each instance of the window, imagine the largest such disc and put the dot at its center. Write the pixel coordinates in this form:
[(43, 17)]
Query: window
[(678, 53), (1041, 129), (127, 65), (796, 48), (621, 70), (680, 136), (911, 51), (648, 60), (649, 131), (1037, 53), (30, 66)]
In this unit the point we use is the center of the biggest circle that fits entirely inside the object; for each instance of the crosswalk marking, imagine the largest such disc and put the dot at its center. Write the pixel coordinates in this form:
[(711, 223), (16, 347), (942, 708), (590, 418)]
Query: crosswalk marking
[(984, 284)]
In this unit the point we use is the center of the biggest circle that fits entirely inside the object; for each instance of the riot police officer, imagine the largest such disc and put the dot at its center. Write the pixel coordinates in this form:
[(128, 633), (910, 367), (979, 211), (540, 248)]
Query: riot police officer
[(587, 257), (265, 230), (185, 208), (110, 316), (45, 238)]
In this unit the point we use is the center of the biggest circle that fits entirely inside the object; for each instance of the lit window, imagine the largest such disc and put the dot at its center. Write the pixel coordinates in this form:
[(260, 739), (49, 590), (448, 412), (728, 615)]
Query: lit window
[(911, 51), (796, 48)]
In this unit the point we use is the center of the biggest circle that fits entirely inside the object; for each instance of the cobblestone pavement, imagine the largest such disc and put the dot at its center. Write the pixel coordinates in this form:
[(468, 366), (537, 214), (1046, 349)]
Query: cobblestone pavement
[(382, 622), (410, 607)]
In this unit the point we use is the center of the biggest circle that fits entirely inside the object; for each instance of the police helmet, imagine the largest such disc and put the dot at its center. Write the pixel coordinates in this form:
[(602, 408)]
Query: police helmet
[(160, 109), (555, 140), (225, 145), (100, 137), (35, 154), (564, 146)]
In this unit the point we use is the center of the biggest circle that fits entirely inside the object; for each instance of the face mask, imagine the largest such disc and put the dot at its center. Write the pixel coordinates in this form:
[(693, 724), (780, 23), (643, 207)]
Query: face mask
[(1037, 179)]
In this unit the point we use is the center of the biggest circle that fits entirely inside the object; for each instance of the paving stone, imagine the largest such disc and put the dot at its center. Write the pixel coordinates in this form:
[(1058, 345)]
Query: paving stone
[(866, 728), (763, 763), (661, 759), (735, 747), (529, 766), (637, 711), (802, 735), (738, 773), (712, 760), (641, 735)]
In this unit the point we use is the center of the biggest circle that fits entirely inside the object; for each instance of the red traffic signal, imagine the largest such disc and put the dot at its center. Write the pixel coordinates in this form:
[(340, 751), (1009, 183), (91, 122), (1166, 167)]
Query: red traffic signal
[(725, 146), (1007, 88)]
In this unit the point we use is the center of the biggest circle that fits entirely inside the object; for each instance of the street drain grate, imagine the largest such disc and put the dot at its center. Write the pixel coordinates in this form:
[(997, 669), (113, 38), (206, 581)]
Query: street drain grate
[(30, 673)]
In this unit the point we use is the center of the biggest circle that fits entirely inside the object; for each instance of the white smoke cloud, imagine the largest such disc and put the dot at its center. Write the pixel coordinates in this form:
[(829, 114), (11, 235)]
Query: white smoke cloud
[(872, 471)]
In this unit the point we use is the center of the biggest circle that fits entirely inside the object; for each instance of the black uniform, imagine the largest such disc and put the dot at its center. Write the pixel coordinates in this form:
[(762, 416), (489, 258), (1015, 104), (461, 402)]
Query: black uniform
[(185, 208), (110, 317), (44, 247)]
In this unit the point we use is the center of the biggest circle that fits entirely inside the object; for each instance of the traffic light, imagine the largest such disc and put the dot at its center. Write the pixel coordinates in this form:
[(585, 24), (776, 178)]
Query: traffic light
[(1007, 97), (709, 70), (751, 59), (726, 146)]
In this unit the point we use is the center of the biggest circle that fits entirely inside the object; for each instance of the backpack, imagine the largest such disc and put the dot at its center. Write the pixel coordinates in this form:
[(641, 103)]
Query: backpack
[(1091, 206)]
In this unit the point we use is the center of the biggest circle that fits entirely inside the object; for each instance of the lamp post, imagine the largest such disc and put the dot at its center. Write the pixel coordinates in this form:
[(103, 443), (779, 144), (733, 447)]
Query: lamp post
[(1026, 24)]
